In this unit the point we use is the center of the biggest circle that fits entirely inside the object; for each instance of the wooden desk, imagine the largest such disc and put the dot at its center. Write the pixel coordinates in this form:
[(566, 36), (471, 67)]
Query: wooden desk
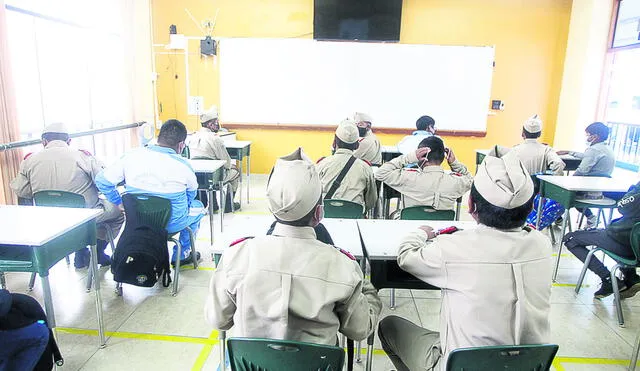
[(563, 189), (46, 235), (238, 150), (210, 174)]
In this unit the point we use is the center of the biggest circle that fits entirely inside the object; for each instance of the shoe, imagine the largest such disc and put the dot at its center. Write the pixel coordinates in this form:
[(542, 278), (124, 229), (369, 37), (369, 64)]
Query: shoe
[(188, 260), (558, 222), (81, 258), (104, 260), (236, 207), (632, 287), (591, 222), (606, 288)]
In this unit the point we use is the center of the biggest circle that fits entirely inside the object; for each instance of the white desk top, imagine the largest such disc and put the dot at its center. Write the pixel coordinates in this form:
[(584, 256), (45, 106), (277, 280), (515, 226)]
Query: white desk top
[(35, 226), (382, 237), (588, 183), (237, 143), (563, 157), (389, 149), (206, 166)]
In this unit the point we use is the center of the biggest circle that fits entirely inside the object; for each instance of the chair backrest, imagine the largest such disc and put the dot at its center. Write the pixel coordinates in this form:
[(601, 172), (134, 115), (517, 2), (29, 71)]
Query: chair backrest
[(59, 199), (186, 152), (334, 208), (153, 211), (426, 213), (635, 241), (247, 354), (508, 357)]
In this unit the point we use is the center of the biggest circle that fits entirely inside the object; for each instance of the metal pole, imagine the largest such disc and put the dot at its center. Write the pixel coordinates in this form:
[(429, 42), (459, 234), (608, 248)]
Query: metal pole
[(96, 289)]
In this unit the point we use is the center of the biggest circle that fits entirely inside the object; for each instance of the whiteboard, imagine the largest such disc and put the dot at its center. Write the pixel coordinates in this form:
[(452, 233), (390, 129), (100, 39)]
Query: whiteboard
[(303, 81)]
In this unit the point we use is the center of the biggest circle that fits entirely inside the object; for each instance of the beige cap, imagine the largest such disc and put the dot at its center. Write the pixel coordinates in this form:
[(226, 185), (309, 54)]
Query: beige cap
[(533, 124), (362, 117), (294, 187), (347, 131), (210, 114), (56, 127), (504, 182)]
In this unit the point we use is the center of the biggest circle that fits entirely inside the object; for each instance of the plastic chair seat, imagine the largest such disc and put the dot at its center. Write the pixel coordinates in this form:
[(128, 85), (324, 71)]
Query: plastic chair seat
[(426, 213)]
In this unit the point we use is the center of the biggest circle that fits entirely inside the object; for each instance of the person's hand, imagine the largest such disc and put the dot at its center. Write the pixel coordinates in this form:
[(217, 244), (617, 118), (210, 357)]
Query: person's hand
[(451, 157), (560, 153), (429, 231), (421, 153)]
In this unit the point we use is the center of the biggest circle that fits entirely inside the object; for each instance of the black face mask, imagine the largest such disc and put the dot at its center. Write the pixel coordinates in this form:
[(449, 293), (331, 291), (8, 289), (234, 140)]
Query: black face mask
[(362, 131)]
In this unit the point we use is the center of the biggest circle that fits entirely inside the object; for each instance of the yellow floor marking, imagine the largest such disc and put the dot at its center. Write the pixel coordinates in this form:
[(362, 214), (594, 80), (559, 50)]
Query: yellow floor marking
[(190, 267), (557, 365), (562, 255), (592, 361), (141, 336), (204, 353), (568, 284)]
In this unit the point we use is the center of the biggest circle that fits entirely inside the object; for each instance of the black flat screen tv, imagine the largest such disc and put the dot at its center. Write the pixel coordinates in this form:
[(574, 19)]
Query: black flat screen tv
[(362, 20)]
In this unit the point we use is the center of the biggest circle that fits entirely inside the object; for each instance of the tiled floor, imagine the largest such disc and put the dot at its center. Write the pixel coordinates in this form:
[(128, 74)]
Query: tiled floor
[(150, 329)]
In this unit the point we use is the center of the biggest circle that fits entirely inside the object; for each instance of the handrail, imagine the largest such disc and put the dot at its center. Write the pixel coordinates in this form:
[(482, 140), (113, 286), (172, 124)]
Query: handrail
[(26, 143)]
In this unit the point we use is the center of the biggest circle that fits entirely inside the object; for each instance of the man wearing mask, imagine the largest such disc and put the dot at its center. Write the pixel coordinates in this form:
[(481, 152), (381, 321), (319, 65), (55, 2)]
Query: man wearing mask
[(370, 149)]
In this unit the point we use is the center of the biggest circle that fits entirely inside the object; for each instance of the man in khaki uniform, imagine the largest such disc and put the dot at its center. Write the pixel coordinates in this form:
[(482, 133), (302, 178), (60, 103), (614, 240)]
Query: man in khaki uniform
[(535, 156), (61, 168), (358, 184), (289, 285), (206, 143), (370, 149), (495, 279), (429, 185)]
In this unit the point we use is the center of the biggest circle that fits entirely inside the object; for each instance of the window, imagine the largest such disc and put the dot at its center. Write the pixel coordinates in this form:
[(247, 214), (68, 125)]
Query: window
[(627, 29)]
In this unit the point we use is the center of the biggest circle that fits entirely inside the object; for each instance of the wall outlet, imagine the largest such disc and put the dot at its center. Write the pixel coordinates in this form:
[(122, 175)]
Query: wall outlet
[(196, 105)]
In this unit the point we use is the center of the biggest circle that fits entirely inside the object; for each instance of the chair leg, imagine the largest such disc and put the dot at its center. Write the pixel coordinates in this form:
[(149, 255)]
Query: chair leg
[(359, 352), (370, 340), (616, 294), (66, 259), (392, 299), (90, 275), (194, 253), (3, 281), (580, 220), (583, 272), (32, 281), (553, 235), (634, 355), (176, 274), (119, 288)]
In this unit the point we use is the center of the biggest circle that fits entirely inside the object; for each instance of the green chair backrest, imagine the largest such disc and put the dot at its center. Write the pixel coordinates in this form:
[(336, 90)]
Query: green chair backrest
[(151, 210), (246, 354), (186, 152), (59, 199), (508, 357), (635, 242), (426, 213), (334, 208)]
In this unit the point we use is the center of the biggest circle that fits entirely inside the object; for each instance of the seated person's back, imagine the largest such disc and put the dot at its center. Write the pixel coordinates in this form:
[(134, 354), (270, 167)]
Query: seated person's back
[(206, 142), (289, 285), (598, 159), (429, 185), (425, 127), (535, 156), (358, 184), (370, 149)]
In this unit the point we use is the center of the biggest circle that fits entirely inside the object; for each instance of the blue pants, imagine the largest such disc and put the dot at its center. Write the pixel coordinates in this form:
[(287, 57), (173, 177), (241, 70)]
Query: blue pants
[(21, 349), (193, 221)]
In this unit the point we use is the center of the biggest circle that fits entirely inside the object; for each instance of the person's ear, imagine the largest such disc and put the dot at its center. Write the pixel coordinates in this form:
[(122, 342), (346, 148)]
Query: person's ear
[(318, 215), (44, 142)]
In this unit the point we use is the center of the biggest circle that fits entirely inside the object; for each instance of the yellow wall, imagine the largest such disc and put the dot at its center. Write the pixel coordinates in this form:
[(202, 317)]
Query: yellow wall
[(530, 37)]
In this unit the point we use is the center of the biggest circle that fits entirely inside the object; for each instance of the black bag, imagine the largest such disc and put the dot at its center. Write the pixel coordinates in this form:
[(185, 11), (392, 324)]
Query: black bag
[(629, 207), (141, 257)]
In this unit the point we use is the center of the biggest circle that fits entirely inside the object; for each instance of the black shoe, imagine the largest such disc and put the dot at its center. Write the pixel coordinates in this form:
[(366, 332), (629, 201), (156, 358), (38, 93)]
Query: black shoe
[(188, 260), (81, 258), (606, 288), (632, 287), (236, 207), (104, 260)]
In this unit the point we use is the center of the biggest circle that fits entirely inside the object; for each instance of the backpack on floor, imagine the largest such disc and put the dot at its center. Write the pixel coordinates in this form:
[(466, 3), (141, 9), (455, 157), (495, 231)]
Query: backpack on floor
[(141, 257)]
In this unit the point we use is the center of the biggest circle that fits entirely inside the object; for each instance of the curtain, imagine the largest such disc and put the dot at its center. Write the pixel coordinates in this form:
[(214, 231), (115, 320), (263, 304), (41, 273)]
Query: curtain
[(9, 129)]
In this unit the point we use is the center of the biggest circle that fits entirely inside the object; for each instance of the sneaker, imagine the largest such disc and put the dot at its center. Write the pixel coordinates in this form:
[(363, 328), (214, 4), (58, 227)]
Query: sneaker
[(104, 260), (606, 288), (632, 287), (558, 222), (236, 207), (188, 260), (591, 222)]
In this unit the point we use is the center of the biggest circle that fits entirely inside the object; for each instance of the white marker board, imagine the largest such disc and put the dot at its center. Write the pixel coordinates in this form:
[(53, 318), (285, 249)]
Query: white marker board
[(303, 81)]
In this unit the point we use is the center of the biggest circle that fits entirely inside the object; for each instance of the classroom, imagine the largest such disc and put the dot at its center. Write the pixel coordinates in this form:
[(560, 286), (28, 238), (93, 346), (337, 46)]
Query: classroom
[(319, 184)]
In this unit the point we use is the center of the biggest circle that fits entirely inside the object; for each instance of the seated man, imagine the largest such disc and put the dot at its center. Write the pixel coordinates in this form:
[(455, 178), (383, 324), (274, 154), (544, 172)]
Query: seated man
[(615, 238), (159, 170), (206, 143), (426, 127), (370, 149), (289, 285), (429, 185), (495, 278), (358, 184), (61, 168)]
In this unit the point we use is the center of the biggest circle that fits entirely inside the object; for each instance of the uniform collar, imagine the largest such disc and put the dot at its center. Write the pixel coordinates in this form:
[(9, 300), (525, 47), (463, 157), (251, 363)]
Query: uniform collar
[(343, 151), (57, 144), (531, 140), (422, 132), (432, 169), (284, 230), (484, 226), (157, 148)]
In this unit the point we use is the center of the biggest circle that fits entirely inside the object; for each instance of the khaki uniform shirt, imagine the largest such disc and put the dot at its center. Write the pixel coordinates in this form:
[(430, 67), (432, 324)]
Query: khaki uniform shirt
[(357, 186), (370, 149), (430, 186), (538, 158), (291, 286), (597, 160), (495, 284), (205, 143)]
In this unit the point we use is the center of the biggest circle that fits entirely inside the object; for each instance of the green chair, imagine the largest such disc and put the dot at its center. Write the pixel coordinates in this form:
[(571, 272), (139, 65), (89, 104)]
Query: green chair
[(54, 198), (186, 152), (335, 208), (246, 354), (621, 262), (426, 213), (506, 357), (155, 212)]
